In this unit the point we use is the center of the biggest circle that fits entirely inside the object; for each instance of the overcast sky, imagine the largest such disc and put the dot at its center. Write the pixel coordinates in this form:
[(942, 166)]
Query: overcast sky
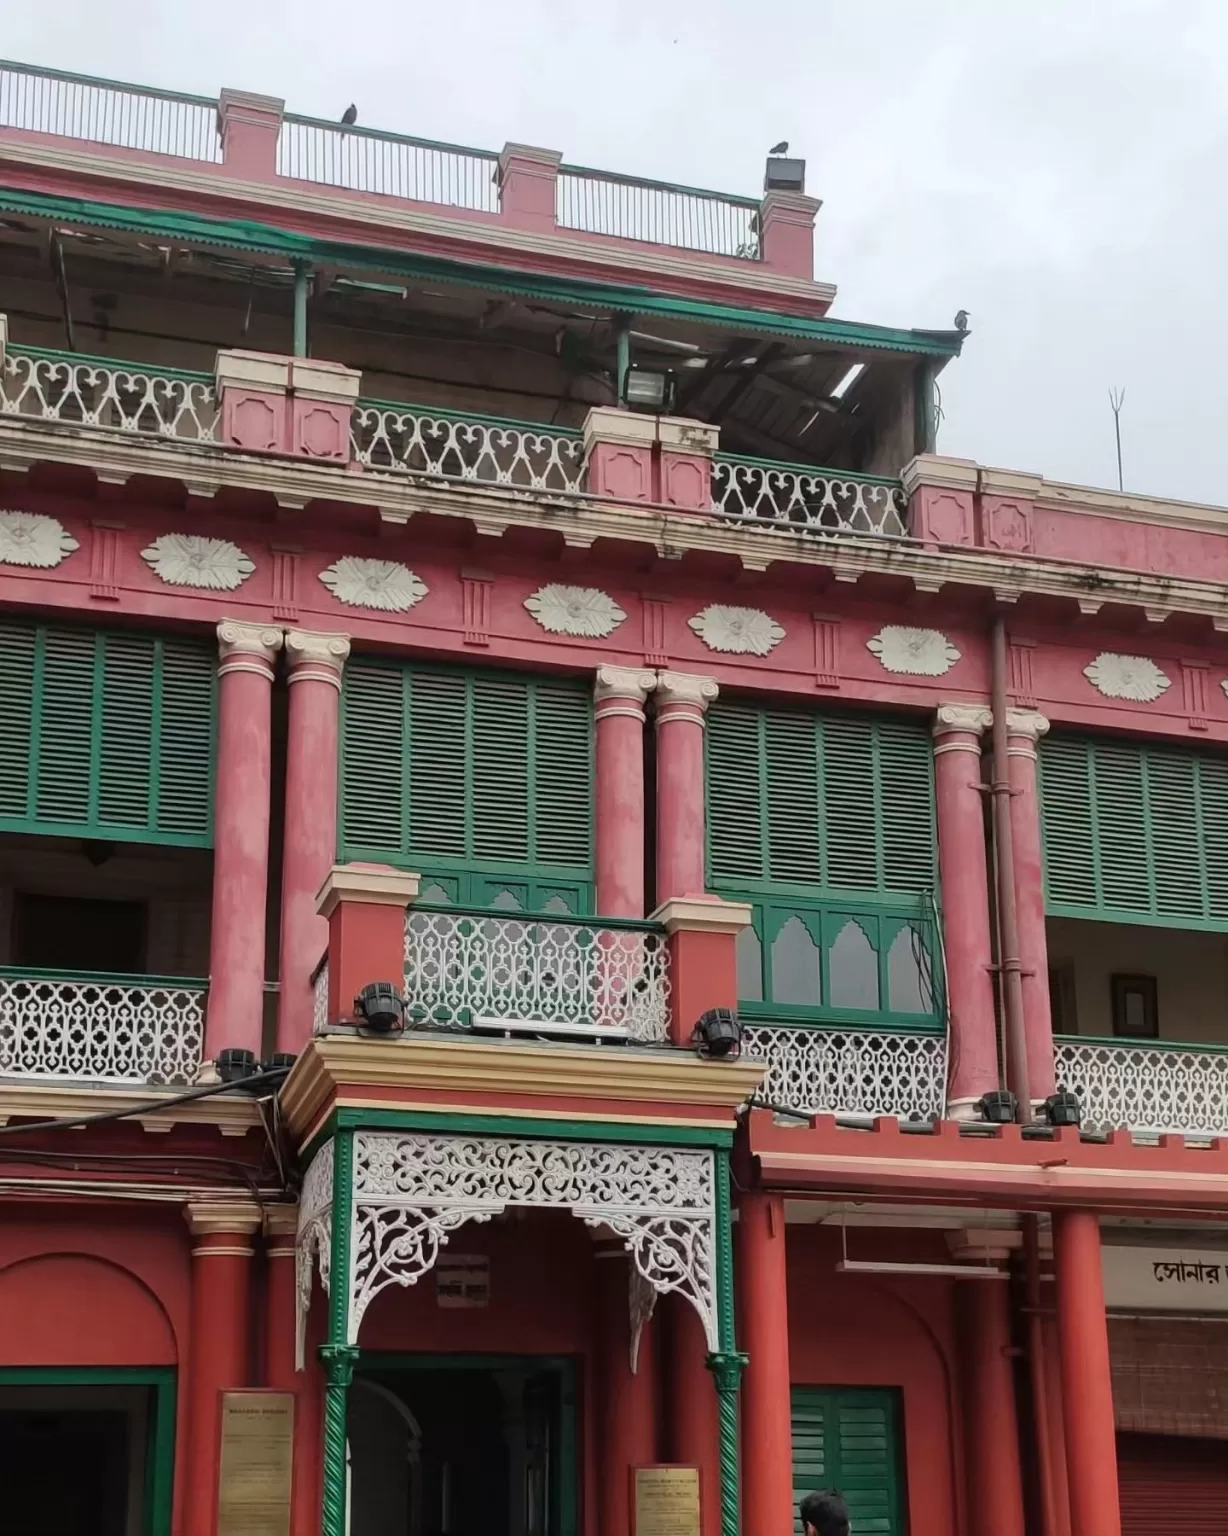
[(1056, 167)]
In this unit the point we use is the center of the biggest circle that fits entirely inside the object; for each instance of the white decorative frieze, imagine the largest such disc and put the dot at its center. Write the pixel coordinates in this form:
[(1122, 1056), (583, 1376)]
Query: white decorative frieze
[(31, 539), (738, 631), (586, 612), (1136, 678), (916, 652), (194, 560), (385, 585)]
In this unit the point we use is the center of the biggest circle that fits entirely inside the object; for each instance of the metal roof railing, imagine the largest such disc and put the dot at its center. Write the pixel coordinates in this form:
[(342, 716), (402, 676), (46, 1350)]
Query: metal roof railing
[(657, 212), (393, 164)]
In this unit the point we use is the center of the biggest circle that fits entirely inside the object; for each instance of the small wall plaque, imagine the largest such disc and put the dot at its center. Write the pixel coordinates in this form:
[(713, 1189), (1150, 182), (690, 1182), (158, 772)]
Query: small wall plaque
[(257, 1464), (665, 1501)]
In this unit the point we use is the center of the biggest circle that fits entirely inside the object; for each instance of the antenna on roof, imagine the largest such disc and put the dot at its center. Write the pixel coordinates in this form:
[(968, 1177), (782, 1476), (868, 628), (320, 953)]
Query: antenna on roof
[(1116, 397)]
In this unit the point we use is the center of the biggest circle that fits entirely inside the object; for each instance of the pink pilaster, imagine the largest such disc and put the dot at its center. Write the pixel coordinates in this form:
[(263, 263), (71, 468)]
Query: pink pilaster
[(786, 233), (681, 701), (620, 454), (965, 903), (310, 842), (684, 466), (528, 186), (620, 693), (364, 906), (941, 499), (249, 127), (1025, 728), (240, 837)]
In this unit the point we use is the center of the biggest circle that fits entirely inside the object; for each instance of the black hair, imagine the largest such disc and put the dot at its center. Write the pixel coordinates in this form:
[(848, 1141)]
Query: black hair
[(825, 1513)]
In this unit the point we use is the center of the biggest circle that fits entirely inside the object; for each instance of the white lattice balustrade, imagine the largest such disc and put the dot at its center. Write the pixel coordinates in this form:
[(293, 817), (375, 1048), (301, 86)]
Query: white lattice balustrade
[(823, 502), (460, 968), (492, 453), (851, 1071), (1145, 1086), (101, 1029), (319, 997), (123, 396)]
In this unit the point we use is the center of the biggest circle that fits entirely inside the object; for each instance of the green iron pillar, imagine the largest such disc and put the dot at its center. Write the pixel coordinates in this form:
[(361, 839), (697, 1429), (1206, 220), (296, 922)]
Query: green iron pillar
[(624, 355), (338, 1355), (726, 1364), (302, 284), (926, 432)]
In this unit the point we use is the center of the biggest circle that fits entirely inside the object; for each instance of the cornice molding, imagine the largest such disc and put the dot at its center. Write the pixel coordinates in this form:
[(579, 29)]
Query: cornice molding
[(233, 1114)]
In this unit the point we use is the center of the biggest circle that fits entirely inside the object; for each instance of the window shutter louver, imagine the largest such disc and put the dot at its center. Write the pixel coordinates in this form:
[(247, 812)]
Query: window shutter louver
[(107, 735), (907, 807), (849, 1440), (850, 820), (493, 771), (792, 763), (735, 789), (1135, 832)]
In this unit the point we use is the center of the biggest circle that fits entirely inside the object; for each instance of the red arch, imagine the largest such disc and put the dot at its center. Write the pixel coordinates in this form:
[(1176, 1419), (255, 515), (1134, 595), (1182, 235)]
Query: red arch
[(76, 1309)]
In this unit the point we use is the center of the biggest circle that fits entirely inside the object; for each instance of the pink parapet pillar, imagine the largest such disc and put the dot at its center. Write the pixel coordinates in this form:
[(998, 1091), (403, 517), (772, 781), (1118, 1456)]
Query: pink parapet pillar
[(240, 837), (619, 693), (786, 233), (528, 187), (965, 904), (681, 701), (1024, 730), (249, 127), (310, 842)]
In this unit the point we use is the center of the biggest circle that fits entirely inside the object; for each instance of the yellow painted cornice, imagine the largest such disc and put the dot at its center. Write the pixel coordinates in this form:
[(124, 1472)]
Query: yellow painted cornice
[(234, 1114)]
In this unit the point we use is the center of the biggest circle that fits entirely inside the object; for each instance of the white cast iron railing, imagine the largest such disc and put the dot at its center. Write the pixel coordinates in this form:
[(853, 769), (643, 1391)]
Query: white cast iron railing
[(829, 1071), (494, 452), (319, 997), (108, 112), (469, 967), (100, 1029), (370, 160), (1144, 1085), (37, 384), (605, 203), (802, 500)]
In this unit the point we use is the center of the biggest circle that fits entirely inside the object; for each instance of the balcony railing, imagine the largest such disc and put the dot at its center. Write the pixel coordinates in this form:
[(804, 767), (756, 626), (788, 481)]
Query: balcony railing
[(799, 499), (108, 112), (471, 968), (94, 1028), (42, 385), (1149, 1086), (370, 160), (855, 1072), (426, 441), (658, 213)]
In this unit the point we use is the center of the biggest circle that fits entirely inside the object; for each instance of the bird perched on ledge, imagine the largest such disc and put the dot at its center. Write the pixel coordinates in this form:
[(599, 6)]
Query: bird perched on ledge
[(780, 149), (350, 115), (961, 321)]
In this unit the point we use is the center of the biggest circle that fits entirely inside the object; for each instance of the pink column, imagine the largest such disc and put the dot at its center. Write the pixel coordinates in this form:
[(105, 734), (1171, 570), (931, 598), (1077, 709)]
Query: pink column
[(240, 837), (767, 1428), (620, 693), (965, 904), (681, 702), (310, 845), (1025, 728)]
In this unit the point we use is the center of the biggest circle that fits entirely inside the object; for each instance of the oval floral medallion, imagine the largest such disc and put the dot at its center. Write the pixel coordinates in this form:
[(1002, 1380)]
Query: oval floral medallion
[(585, 612), (192, 560), (381, 584), (31, 539), (739, 631), (1137, 678), (917, 652)]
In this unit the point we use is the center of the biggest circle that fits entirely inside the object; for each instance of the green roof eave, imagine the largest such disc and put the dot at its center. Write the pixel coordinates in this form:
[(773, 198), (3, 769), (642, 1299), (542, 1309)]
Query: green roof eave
[(263, 239)]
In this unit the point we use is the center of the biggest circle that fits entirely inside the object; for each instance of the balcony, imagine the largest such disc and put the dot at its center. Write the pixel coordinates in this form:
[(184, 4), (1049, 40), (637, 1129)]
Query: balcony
[(852, 1072), (100, 1030), (1148, 1087)]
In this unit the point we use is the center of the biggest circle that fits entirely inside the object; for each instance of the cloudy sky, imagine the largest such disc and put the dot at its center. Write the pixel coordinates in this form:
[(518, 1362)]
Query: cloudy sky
[(1056, 167)]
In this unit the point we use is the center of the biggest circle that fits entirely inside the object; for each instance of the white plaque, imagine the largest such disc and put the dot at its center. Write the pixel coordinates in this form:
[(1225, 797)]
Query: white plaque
[(1165, 1279)]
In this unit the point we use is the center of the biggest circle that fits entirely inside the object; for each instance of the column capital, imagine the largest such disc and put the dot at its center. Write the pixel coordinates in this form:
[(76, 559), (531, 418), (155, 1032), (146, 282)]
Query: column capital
[(1026, 723), (973, 719), (229, 1218), (684, 694), (247, 647), (703, 914), (281, 1221), (315, 657), (626, 685)]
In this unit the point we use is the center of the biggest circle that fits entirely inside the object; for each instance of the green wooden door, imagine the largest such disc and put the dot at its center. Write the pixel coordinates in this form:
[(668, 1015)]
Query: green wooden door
[(849, 1439)]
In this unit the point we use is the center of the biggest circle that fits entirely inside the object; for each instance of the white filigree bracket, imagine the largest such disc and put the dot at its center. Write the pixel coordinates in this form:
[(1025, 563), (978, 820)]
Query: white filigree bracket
[(34, 540), (1136, 678), (737, 631), (385, 585), (194, 560), (916, 652), (586, 612), (314, 1241), (412, 1191)]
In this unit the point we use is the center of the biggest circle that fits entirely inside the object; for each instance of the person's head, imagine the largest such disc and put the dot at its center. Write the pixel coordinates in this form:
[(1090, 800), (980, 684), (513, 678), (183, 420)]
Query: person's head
[(825, 1514)]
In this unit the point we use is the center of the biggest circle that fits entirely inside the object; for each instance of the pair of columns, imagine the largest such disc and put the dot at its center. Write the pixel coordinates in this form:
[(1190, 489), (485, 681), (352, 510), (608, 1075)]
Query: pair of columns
[(959, 730), (247, 664)]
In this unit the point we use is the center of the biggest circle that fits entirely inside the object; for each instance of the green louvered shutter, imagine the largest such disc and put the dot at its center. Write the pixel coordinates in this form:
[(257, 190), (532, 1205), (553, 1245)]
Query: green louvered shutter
[(849, 1440), (106, 735), (481, 771), (1135, 832), (835, 802)]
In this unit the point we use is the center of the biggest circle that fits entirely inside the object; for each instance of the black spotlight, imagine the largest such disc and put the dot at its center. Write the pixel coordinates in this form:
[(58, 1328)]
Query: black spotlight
[(998, 1107), (1063, 1109), (280, 1061), (718, 1033), (233, 1064), (380, 1006)]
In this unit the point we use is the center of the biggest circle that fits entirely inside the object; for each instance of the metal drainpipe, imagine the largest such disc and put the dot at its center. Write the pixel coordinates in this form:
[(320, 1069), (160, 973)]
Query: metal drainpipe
[(1036, 1374), (1008, 916)]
